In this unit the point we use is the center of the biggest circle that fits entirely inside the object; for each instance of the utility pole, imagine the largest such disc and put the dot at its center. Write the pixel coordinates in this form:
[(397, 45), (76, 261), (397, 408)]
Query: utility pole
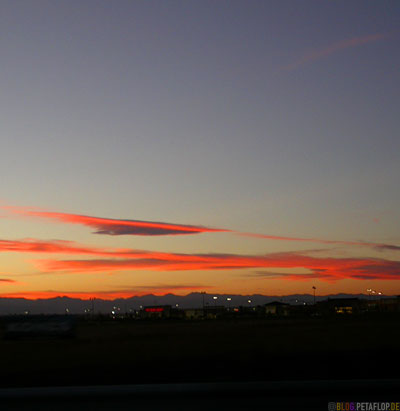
[(314, 288), (92, 306), (203, 293)]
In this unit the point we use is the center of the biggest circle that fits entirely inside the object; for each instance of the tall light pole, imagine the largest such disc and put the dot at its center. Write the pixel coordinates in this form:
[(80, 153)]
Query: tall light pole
[(92, 308), (370, 291), (203, 293), (314, 288)]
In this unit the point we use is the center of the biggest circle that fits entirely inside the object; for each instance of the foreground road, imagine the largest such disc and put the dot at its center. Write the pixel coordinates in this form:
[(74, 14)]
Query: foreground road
[(279, 395)]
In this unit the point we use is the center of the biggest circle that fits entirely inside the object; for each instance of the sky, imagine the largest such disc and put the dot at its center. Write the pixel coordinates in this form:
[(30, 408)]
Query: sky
[(243, 147)]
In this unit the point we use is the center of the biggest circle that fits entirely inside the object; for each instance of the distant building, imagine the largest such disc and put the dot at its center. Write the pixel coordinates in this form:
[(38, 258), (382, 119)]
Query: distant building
[(213, 312), (194, 313), (156, 311), (389, 304), (277, 308), (340, 306)]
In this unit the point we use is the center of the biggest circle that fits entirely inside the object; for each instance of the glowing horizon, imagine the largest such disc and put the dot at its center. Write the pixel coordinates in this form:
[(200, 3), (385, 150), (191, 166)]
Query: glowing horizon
[(322, 268), (239, 148)]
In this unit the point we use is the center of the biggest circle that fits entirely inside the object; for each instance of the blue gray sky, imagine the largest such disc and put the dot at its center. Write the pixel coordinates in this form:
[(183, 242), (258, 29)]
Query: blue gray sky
[(270, 117)]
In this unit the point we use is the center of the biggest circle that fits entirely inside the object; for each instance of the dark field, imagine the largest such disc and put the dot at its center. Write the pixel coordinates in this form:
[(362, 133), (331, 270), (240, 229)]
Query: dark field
[(124, 352)]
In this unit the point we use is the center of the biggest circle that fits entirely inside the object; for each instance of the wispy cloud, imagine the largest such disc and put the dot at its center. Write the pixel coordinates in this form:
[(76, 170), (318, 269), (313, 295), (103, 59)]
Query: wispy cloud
[(146, 228), (289, 276), (114, 259), (377, 246), (325, 268), (326, 51), (31, 245), (389, 247), (113, 226), (36, 246), (8, 280)]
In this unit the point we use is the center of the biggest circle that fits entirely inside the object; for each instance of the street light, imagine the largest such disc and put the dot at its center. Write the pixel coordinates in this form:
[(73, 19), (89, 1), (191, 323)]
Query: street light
[(215, 298), (371, 292), (229, 299)]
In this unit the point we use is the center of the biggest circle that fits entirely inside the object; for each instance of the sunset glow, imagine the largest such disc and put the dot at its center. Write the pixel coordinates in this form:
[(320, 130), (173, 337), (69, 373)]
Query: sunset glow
[(228, 147)]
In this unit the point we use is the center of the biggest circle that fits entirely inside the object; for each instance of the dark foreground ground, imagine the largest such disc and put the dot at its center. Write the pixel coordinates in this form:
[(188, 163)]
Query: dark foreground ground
[(282, 396), (206, 351), (231, 351)]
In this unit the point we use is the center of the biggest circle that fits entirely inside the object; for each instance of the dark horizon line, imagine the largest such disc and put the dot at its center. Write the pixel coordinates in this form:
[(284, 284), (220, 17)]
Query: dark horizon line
[(200, 293)]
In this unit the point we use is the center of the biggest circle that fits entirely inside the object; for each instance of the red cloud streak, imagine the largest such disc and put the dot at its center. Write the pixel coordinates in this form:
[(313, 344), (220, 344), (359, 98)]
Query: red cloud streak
[(112, 226), (333, 48), (146, 228), (8, 280), (114, 259), (68, 247), (325, 268)]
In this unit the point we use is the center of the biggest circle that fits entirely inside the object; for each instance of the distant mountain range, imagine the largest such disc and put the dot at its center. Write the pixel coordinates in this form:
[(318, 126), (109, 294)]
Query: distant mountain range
[(62, 305)]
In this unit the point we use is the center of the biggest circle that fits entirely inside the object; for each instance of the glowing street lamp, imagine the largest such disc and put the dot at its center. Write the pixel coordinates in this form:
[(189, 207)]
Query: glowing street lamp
[(371, 292)]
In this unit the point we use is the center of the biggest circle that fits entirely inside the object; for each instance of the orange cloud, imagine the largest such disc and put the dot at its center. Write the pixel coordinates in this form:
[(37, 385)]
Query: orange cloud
[(136, 227), (325, 268), (115, 259), (112, 226), (8, 280), (30, 245), (69, 247)]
